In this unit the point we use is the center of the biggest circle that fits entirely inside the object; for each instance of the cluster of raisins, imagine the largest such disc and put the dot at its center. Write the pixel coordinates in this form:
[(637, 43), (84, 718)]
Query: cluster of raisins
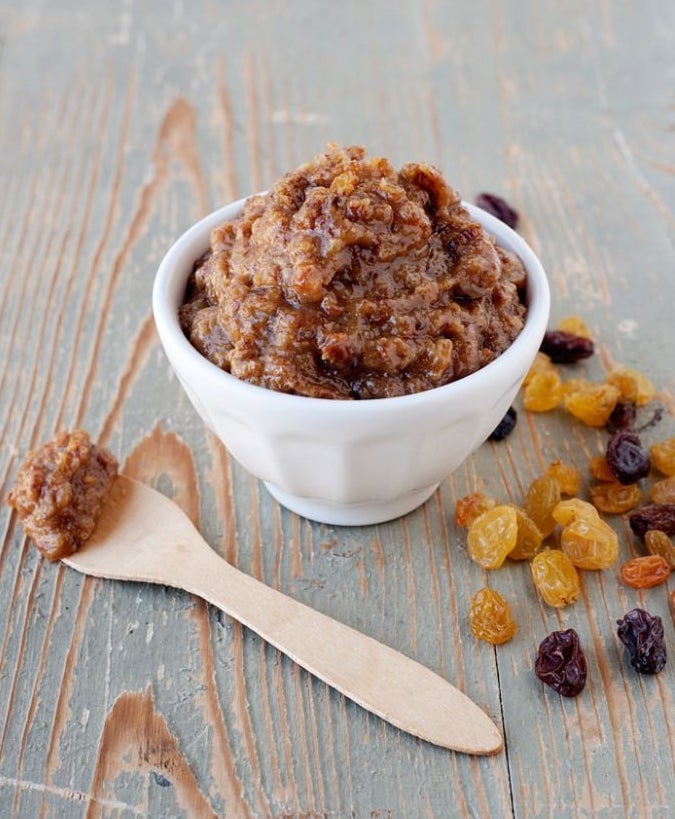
[(612, 404), (595, 404), (618, 491), (496, 532), (559, 533)]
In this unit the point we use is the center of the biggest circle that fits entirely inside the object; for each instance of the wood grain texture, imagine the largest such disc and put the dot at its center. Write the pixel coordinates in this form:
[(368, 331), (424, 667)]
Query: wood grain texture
[(120, 125)]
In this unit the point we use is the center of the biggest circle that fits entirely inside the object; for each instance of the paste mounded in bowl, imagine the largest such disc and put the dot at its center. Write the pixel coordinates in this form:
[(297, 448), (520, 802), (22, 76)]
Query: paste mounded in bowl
[(348, 462), (348, 279)]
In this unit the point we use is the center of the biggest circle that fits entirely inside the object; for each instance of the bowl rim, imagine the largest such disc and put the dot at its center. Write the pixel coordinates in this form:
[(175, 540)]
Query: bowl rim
[(174, 267)]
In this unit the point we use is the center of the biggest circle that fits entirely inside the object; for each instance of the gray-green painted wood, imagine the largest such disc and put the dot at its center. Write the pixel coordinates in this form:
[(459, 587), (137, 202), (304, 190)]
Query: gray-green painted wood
[(120, 125)]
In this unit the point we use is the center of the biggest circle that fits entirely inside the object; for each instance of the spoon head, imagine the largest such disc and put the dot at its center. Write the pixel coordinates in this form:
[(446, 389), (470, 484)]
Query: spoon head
[(141, 535)]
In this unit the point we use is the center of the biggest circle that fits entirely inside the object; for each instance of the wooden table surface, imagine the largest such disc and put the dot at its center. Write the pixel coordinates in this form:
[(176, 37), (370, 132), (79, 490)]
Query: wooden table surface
[(120, 125)]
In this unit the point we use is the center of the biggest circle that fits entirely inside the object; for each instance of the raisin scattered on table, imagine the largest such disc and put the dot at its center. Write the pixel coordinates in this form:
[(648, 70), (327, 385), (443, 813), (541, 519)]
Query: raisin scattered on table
[(586, 539), (471, 506), (642, 634), (592, 404), (633, 385), (568, 477), (555, 578), (492, 536), (566, 348), (589, 542), (543, 391), (490, 617), (622, 417), (506, 426), (614, 498), (599, 469), (626, 457), (528, 539), (573, 508), (561, 663), (663, 456), (663, 491), (645, 572), (499, 207), (658, 543), (654, 516), (574, 324), (541, 364), (543, 495)]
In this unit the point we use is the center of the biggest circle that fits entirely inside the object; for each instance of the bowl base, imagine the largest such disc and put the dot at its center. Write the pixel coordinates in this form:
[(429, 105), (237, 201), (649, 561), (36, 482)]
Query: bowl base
[(351, 514)]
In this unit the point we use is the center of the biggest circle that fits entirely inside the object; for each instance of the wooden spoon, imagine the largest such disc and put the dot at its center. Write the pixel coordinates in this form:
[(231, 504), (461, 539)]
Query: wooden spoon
[(144, 536)]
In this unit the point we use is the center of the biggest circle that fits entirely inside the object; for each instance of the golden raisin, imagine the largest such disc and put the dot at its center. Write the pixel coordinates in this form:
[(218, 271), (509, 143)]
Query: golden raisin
[(492, 536), (575, 325), (658, 543), (632, 384), (543, 391), (589, 542), (568, 477), (615, 498), (470, 506), (645, 572), (568, 510), (646, 390), (574, 385), (528, 540), (593, 405), (541, 363), (555, 578), (663, 456), (599, 468), (542, 497), (663, 491), (625, 384), (490, 617)]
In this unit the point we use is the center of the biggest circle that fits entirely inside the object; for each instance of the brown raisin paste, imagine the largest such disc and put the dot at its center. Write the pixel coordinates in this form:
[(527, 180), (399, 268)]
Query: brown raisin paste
[(59, 492), (350, 280)]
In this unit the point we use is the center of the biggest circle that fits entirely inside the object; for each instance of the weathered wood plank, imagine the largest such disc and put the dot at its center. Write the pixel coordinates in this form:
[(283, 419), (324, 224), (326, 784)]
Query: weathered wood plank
[(119, 126)]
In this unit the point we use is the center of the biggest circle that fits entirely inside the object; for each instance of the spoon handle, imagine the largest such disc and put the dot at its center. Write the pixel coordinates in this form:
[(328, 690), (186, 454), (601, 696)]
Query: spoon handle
[(144, 536), (382, 680)]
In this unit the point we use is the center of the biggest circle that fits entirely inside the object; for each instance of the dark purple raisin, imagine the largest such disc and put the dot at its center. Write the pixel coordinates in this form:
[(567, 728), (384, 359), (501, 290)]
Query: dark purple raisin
[(506, 426), (566, 348), (622, 417), (642, 634), (654, 516), (498, 207), (561, 663), (626, 457)]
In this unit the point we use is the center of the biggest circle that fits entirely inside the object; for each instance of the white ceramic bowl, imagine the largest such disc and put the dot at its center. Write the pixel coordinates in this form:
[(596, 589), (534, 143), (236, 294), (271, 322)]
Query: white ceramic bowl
[(347, 462)]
